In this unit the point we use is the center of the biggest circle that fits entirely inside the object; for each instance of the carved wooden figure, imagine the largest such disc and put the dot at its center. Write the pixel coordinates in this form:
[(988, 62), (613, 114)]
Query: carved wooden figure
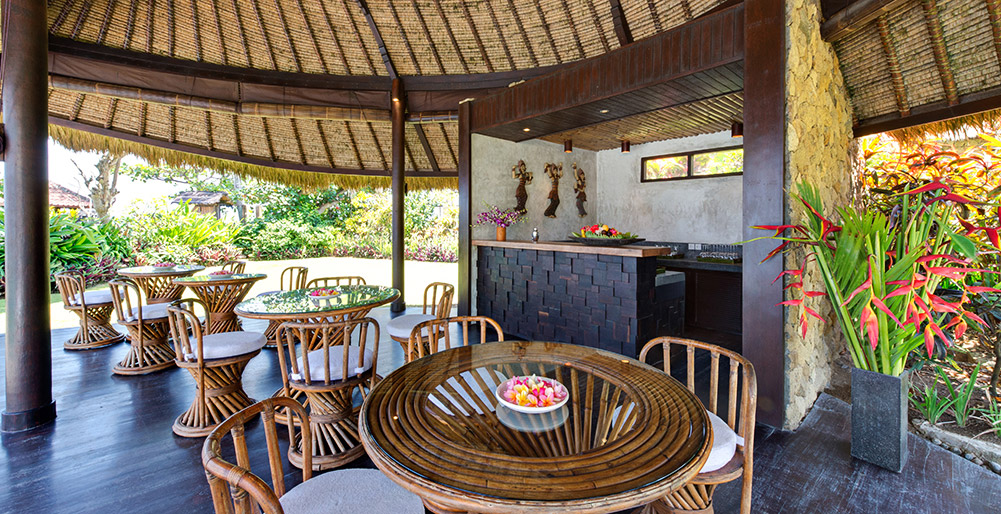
[(555, 172), (520, 172), (579, 187)]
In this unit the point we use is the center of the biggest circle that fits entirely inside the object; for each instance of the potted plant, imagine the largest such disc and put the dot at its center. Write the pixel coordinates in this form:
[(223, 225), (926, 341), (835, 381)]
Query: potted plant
[(880, 272), (501, 218)]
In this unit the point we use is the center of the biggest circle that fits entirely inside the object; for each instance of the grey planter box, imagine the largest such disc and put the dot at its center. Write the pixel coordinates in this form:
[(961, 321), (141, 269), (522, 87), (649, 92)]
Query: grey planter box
[(879, 418)]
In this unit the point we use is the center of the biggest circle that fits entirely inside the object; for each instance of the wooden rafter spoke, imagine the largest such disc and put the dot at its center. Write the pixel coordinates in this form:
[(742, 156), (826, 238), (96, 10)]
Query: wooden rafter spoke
[(894, 63), (934, 24)]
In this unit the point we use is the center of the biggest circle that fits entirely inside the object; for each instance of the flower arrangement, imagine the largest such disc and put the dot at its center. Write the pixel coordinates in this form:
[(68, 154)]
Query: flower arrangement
[(324, 293), (602, 231), (165, 264), (533, 391), (220, 273), (500, 217)]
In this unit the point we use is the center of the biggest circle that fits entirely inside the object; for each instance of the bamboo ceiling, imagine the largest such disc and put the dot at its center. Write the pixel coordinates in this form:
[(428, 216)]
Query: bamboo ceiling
[(427, 43)]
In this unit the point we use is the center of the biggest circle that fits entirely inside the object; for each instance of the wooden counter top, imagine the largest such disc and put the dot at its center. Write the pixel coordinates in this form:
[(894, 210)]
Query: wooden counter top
[(559, 246)]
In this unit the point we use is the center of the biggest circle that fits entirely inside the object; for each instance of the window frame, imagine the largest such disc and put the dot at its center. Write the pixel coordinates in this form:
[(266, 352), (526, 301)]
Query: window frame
[(690, 157)]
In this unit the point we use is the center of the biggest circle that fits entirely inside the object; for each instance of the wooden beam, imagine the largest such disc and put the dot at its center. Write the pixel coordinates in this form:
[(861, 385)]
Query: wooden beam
[(465, 257), (763, 331), (399, 193), (971, 103), (855, 16), (934, 25), (386, 60), (619, 22), (207, 152), (994, 14), (899, 92), (28, 345), (427, 147)]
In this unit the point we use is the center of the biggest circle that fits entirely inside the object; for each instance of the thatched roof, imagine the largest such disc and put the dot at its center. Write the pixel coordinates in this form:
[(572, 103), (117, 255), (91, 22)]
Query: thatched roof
[(254, 85), (62, 198), (202, 198)]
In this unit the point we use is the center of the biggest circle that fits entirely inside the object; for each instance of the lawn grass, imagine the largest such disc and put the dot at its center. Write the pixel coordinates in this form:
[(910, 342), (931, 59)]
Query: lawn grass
[(417, 276)]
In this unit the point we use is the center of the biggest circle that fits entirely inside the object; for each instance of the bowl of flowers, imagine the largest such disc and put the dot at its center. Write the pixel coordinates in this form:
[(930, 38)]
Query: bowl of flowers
[(220, 275), (532, 394), (323, 294), (603, 235), (164, 266)]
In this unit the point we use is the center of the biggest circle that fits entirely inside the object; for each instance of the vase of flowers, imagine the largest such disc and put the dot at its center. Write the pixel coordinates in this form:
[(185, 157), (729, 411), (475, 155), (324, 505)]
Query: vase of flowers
[(881, 270), (501, 218)]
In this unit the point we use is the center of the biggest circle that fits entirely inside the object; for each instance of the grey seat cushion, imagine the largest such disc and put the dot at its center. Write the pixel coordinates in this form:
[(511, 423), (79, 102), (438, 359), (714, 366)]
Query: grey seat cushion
[(95, 297), (151, 311), (401, 326), (351, 491), (336, 362), (229, 344)]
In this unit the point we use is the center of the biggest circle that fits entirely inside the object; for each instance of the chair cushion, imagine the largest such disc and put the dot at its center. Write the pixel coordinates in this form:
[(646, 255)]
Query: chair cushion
[(94, 297), (401, 326), (725, 442), (446, 401), (351, 491), (336, 359), (151, 311), (229, 344)]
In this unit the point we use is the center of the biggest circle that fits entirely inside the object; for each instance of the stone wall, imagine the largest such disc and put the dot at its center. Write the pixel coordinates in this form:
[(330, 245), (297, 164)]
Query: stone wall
[(819, 144)]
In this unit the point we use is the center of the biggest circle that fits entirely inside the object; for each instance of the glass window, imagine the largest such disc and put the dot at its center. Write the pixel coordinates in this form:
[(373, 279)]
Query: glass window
[(663, 168), (718, 163)]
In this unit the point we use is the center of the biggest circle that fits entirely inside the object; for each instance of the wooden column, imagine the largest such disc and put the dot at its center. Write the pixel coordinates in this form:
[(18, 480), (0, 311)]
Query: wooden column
[(399, 190), (25, 111), (465, 190), (764, 200)]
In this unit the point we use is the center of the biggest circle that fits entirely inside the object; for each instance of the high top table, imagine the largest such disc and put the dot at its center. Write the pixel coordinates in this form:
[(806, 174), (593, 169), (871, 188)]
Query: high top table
[(221, 294), (628, 435)]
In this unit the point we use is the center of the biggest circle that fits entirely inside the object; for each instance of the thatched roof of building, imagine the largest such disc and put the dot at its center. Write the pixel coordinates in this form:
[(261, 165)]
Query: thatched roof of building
[(202, 198), (62, 198)]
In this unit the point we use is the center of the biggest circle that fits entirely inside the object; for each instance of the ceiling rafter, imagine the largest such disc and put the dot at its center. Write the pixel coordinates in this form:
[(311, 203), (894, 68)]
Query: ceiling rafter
[(654, 16), (288, 36), (354, 145), (103, 31), (378, 146), (61, 17), (419, 128), (856, 15), (236, 132), (333, 37), (264, 34), (386, 60), (427, 35), (899, 92), (84, 11), (150, 8), (994, 14), (326, 143), (171, 27), (406, 40), (451, 36), (240, 29), (312, 37), (267, 137), (218, 30), (620, 23), (476, 37), (597, 25), (573, 29), (524, 35), (500, 34), (298, 140), (549, 33), (934, 24), (130, 22), (209, 135), (686, 9), (448, 143), (198, 30)]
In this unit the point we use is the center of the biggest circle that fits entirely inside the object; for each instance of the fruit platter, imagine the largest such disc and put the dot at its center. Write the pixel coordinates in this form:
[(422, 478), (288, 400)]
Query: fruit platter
[(532, 394), (603, 235)]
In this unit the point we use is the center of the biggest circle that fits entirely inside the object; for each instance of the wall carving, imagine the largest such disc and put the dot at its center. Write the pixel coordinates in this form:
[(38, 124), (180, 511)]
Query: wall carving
[(579, 187), (555, 173), (520, 172)]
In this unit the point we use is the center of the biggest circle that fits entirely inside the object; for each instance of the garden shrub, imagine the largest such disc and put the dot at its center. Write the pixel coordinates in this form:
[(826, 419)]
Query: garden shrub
[(160, 233)]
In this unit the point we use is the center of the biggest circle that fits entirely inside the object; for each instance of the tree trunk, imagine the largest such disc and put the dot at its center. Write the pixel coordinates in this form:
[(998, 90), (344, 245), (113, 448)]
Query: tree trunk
[(103, 186)]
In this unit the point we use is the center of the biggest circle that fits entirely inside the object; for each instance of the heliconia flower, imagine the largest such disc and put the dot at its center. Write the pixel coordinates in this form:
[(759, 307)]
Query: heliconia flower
[(870, 325), (952, 197), (950, 258), (882, 306), (929, 187), (862, 287), (982, 289), (780, 228), (929, 340)]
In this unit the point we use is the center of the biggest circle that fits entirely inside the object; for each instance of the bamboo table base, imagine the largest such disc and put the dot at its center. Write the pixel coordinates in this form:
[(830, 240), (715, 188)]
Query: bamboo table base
[(155, 353), (333, 420), (223, 397), (98, 333)]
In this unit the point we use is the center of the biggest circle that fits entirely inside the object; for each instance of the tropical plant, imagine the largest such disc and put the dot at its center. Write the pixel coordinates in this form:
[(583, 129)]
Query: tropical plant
[(931, 405), (992, 415), (962, 407)]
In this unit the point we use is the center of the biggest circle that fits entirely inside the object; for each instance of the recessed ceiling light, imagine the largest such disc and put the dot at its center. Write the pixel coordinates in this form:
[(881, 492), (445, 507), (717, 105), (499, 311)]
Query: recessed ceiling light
[(526, 129), (603, 111)]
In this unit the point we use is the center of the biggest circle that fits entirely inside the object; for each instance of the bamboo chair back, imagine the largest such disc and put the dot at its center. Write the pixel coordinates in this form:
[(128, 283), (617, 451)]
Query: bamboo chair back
[(72, 285), (298, 340), (741, 392), (186, 329), (435, 335), (440, 306), (293, 277), (337, 281), (235, 488), (235, 266), (127, 297)]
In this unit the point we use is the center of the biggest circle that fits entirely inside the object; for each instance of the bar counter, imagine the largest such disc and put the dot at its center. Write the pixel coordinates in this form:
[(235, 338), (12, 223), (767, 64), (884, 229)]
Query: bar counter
[(599, 296)]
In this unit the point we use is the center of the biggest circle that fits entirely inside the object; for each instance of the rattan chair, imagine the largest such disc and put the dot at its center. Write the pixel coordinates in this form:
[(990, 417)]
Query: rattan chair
[(437, 305), (435, 335), (94, 309), (234, 266), (236, 489), (147, 326), (741, 393), (322, 360), (292, 278), (216, 362), (335, 281)]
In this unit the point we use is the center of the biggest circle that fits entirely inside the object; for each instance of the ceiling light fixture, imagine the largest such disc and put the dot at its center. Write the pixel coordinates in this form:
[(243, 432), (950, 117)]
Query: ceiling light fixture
[(568, 146), (526, 129), (625, 146), (603, 111), (737, 129)]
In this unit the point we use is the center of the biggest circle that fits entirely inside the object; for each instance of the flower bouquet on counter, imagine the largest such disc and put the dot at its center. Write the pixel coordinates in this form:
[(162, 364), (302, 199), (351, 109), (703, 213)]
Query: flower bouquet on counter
[(603, 235)]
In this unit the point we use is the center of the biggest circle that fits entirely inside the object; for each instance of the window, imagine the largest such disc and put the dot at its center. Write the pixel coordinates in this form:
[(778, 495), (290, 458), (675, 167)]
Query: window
[(714, 163)]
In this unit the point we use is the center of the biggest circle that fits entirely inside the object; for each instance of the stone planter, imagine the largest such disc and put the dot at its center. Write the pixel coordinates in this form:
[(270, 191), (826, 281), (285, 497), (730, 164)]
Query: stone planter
[(502, 233), (879, 418)]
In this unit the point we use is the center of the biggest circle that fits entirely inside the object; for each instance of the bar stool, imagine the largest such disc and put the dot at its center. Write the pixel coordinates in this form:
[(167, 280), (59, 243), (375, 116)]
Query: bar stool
[(147, 326), (94, 309)]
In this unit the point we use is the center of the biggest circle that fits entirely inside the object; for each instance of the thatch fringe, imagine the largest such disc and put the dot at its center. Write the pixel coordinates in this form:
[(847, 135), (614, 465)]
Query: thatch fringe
[(78, 140), (963, 127)]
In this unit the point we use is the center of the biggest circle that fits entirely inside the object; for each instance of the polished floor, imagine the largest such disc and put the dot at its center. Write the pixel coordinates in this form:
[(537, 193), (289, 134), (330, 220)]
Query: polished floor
[(112, 450)]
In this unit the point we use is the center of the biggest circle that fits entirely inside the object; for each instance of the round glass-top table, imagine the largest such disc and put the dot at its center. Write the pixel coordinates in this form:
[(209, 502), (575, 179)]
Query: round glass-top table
[(221, 294), (299, 305), (628, 434), (158, 283)]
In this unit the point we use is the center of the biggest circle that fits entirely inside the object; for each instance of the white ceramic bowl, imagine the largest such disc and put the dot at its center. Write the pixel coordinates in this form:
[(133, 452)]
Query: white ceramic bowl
[(220, 277), (499, 393)]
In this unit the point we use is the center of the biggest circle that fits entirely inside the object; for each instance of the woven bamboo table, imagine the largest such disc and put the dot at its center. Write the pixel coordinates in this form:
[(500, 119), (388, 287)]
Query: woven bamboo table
[(221, 295), (629, 434), (158, 284), (333, 417)]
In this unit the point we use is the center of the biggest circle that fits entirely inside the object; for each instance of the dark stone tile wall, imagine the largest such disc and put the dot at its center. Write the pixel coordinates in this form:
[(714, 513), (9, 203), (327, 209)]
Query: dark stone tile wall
[(601, 301)]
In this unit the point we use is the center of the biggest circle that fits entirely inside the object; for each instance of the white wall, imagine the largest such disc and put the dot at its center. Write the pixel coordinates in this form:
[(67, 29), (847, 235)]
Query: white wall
[(492, 160), (705, 210)]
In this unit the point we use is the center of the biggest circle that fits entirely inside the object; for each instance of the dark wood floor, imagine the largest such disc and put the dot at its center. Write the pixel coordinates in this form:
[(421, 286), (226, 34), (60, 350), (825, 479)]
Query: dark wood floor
[(111, 450)]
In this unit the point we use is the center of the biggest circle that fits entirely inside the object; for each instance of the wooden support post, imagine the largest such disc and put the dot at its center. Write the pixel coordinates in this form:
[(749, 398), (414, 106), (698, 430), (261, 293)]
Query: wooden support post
[(25, 111), (764, 200), (465, 212), (399, 190)]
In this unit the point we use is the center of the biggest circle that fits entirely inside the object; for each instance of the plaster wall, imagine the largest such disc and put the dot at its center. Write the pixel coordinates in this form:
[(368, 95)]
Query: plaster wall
[(704, 210), (819, 146)]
